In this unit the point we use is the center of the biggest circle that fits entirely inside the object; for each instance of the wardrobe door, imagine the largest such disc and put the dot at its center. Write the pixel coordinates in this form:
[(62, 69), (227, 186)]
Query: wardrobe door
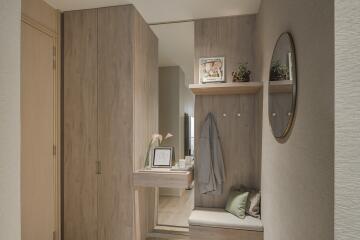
[(115, 123), (80, 126)]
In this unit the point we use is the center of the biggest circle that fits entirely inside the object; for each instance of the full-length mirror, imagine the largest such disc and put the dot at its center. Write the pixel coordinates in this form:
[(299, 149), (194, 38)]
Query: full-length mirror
[(282, 87), (176, 118)]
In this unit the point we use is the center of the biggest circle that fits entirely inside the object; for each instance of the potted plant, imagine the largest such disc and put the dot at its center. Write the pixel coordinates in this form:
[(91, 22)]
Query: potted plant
[(242, 74), (278, 71)]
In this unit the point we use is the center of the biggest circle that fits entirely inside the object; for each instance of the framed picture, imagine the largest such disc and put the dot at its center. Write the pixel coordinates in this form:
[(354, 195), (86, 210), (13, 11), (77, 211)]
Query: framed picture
[(163, 157), (212, 69)]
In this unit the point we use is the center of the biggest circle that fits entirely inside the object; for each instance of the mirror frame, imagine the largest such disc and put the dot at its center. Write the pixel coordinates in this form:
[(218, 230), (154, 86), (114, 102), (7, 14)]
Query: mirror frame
[(285, 134)]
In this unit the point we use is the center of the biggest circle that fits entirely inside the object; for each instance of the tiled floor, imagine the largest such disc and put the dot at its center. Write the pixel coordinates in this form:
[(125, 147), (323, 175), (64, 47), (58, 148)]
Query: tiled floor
[(175, 211)]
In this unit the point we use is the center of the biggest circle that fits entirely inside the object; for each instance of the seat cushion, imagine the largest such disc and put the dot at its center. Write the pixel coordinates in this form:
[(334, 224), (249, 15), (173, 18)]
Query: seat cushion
[(216, 217)]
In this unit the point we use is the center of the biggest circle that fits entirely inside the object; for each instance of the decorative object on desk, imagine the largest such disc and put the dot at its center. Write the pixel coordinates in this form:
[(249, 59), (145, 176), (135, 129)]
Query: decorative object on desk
[(242, 74), (163, 157), (182, 163), (168, 135), (278, 71), (155, 141), (189, 160), (212, 69)]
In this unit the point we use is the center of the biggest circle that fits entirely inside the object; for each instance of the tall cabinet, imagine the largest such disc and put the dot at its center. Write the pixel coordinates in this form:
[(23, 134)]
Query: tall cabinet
[(110, 103)]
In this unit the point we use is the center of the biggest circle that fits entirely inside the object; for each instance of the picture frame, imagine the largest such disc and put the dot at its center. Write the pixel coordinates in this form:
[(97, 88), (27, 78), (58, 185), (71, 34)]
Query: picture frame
[(211, 69), (163, 157)]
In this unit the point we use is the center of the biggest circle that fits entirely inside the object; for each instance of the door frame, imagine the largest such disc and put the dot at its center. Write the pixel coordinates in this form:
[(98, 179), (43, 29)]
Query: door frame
[(55, 35)]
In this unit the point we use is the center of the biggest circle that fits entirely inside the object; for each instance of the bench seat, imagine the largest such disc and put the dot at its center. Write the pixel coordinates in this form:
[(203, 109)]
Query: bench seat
[(215, 223)]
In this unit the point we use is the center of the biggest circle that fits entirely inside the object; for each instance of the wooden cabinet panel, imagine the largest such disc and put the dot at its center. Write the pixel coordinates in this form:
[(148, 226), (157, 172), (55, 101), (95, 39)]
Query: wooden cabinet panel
[(108, 53), (38, 204), (115, 124), (80, 126)]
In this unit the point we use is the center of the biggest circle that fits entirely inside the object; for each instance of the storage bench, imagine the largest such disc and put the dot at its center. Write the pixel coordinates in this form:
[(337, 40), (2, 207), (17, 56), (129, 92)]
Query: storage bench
[(217, 224)]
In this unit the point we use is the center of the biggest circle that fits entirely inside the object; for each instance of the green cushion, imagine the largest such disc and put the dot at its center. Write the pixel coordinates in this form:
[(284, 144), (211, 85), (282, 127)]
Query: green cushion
[(236, 203)]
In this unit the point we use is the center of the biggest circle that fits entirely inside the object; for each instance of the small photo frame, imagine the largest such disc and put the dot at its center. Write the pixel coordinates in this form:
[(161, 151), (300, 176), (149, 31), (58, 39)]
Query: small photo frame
[(212, 69), (163, 157)]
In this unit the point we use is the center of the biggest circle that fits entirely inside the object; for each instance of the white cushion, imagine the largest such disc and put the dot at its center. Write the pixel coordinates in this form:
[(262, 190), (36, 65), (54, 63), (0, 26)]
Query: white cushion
[(216, 217)]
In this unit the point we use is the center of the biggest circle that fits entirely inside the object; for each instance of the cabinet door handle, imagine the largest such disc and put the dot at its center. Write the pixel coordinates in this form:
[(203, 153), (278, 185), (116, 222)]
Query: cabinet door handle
[(98, 167)]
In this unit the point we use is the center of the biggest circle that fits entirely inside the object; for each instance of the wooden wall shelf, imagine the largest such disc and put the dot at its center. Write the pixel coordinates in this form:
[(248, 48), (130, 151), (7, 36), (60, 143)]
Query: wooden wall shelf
[(283, 86), (163, 178), (226, 88)]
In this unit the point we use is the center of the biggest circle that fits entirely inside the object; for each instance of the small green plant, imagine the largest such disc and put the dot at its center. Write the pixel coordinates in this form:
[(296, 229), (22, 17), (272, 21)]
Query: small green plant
[(278, 71), (242, 74)]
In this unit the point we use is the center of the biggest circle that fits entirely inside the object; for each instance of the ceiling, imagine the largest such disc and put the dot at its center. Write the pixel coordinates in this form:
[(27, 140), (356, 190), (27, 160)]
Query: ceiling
[(155, 11)]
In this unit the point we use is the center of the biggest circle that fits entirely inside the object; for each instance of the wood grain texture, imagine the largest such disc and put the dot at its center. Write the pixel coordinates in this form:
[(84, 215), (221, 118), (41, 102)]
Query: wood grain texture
[(229, 37), (115, 122), (146, 88), (226, 88), (168, 179), (209, 233), (123, 80), (176, 210), (239, 142), (80, 126), (38, 164), (41, 12), (145, 115), (347, 116)]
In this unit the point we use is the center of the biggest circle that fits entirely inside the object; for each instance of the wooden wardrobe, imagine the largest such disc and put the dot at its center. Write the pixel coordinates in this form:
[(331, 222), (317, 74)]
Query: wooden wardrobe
[(110, 104)]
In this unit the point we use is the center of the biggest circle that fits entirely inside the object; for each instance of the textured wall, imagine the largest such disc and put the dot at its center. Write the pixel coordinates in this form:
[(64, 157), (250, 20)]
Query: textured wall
[(347, 115), (10, 11), (297, 176)]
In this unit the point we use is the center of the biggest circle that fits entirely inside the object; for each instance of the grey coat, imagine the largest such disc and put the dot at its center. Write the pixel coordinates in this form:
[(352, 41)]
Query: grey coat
[(210, 167)]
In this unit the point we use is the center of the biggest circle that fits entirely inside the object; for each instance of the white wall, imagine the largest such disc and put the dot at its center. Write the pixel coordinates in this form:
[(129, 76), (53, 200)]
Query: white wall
[(347, 119), (298, 175), (10, 11)]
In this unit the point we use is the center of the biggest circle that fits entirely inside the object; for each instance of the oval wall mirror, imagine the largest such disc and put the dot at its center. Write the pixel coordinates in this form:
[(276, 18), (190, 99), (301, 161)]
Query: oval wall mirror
[(282, 87)]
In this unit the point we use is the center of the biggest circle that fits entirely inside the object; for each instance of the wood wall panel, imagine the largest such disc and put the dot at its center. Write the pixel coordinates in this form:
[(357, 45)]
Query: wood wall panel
[(239, 142), (115, 126), (232, 38), (206, 233), (41, 12), (80, 125), (126, 113), (229, 37), (146, 104), (38, 164)]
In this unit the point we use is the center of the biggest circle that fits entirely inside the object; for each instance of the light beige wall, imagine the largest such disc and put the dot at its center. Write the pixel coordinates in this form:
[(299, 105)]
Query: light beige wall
[(347, 116), (10, 12), (297, 176)]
